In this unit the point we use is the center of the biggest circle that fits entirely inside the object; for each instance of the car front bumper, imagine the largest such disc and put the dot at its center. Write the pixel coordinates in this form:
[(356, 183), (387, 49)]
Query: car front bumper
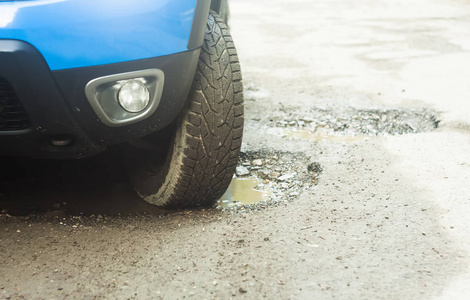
[(57, 108)]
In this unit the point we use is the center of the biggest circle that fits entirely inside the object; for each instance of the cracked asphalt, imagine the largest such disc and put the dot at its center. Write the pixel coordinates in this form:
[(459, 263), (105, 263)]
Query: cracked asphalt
[(372, 95)]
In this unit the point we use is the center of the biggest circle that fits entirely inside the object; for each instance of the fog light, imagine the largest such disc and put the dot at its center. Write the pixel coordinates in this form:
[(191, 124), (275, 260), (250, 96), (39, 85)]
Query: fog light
[(133, 96)]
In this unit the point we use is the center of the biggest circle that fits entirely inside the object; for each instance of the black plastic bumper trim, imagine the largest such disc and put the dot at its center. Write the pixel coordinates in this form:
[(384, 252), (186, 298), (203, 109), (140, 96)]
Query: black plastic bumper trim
[(198, 28), (31, 79), (179, 70)]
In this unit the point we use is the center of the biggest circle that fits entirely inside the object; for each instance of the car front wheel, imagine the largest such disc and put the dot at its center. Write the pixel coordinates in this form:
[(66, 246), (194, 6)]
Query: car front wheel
[(205, 145)]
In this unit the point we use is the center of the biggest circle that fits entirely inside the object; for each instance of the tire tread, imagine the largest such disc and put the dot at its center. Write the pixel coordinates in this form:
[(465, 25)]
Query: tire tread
[(213, 124)]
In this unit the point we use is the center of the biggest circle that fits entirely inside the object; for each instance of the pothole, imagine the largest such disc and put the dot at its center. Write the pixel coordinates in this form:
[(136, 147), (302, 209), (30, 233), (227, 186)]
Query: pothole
[(319, 124), (269, 178), (243, 191)]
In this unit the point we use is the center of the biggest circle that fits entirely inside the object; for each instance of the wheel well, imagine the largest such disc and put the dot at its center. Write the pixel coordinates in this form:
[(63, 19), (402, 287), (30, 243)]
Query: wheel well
[(216, 5)]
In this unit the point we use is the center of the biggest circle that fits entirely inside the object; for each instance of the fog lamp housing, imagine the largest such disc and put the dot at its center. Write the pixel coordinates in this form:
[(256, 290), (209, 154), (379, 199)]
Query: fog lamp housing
[(125, 98)]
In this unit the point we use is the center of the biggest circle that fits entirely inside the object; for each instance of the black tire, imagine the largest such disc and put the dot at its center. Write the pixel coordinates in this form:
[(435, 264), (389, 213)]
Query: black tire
[(205, 146)]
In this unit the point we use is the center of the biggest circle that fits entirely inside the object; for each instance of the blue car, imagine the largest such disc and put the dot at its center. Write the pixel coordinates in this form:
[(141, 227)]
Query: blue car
[(160, 79)]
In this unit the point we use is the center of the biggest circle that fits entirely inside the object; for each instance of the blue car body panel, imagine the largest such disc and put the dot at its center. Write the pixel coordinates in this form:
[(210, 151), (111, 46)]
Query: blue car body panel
[(51, 49), (84, 33)]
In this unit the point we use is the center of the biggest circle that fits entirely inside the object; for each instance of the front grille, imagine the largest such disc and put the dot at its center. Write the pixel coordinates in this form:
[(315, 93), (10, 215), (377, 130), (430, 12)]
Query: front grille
[(12, 114)]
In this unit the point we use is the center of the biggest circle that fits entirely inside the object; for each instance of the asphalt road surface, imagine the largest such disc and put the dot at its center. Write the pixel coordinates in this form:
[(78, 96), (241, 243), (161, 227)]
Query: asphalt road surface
[(357, 139)]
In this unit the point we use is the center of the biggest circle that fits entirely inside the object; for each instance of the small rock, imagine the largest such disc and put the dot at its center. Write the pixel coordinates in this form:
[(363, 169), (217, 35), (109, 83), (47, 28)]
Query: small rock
[(285, 177), (307, 120), (314, 167), (242, 290), (266, 239), (56, 214), (258, 162), (5, 216), (263, 173), (242, 171)]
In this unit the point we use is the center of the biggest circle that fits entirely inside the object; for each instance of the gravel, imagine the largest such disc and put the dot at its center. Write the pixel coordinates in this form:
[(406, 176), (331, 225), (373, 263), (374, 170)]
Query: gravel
[(369, 122), (283, 176)]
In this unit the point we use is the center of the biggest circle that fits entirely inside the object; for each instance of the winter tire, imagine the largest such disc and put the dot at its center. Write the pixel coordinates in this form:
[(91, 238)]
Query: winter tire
[(205, 144)]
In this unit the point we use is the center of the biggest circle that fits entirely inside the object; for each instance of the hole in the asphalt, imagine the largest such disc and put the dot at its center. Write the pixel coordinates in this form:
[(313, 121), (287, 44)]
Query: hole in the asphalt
[(269, 178), (352, 124)]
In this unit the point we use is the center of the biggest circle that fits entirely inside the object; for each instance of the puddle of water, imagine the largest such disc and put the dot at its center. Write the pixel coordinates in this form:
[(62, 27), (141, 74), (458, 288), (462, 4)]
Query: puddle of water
[(269, 178), (322, 136), (242, 190)]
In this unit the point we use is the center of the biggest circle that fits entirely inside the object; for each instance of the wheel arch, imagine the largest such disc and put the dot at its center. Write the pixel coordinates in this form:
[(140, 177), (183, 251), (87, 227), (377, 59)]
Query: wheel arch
[(221, 7), (216, 5)]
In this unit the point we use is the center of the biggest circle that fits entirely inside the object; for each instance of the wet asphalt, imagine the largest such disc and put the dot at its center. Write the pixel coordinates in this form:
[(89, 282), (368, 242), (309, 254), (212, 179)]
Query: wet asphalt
[(352, 182)]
